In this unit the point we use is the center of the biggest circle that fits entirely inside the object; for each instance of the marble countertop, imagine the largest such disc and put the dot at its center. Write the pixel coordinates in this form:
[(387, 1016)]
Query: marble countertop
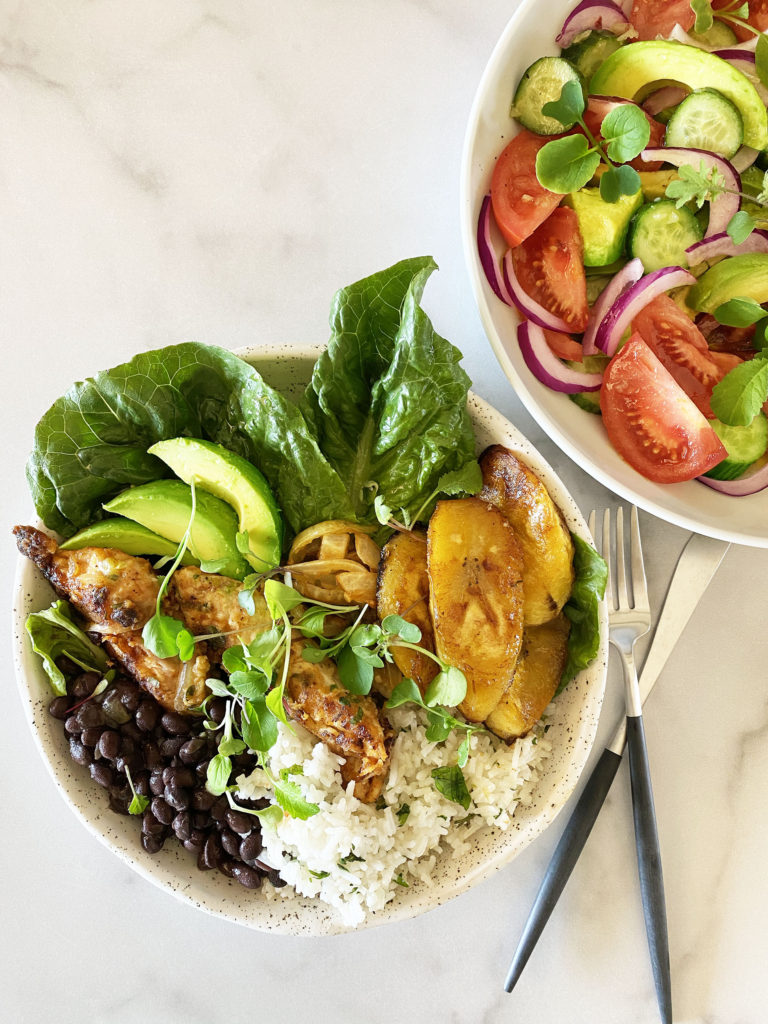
[(215, 171)]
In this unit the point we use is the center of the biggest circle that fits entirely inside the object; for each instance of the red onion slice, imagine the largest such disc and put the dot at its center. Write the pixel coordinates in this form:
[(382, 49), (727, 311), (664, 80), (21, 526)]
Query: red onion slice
[(488, 257), (533, 310), (546, 367), (626, 277), (744, 61), (723, 245), (745, 157), (724, 206), (630, 302), (743, 486), (668, 96), (592, 14)]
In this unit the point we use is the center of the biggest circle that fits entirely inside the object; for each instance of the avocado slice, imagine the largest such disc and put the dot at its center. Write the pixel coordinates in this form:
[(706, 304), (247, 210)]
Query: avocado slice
[(628, 71), (125, 535), (165, 507), (235, 480), (603, 225), (738, 276)]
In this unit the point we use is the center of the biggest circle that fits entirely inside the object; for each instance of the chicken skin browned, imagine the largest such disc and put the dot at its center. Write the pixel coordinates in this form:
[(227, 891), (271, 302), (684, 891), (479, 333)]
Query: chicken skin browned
[(349, 725), (116, 594), (209, 604)]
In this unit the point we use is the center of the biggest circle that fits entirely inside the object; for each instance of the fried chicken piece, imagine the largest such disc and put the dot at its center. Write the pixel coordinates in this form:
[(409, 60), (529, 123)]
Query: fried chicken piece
[(347, 724), (209, 604), (111, 589), (177, 685)]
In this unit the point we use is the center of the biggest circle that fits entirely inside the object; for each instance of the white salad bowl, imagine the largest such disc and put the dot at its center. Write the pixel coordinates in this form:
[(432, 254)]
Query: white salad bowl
[(529, 34), (572, 732)]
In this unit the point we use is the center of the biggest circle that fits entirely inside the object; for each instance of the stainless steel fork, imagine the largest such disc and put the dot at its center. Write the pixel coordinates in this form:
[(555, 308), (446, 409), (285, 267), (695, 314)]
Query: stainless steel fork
[(629, 618)]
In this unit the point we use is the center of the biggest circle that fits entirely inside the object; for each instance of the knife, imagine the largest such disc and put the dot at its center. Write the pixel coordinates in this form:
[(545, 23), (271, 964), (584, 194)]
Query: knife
[(695, 568)]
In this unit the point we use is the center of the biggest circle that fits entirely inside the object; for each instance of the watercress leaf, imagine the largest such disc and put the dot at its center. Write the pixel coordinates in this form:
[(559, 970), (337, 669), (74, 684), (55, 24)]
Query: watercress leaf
[(583, 608), (280, 598), (218, 687), (737, 398), (258, 653), (438, 728), (369, 657), (243, 542), (626, 132), (274, 702), (462, 755), (160, 635), (270, 817), (214, 565), (450, 781), (245, 600), (739, 312), (760, 337), (740, 227), (566, 165), (447, 689), (704, 18), (53, 633), (288, 795), (258, 725), (217, 776), (364, 636), (251, 684), (761, 59), (467, 480), (185, 644), (355, 674), (229, 746), (399, 626), (312, 622), (138, 804), (619, 181), (232, 659), (406, 692), (569, 107), (381, 510), (314, 655)]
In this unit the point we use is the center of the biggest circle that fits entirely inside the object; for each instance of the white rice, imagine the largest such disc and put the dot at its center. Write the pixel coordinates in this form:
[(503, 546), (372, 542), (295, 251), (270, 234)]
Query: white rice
[(390, 854)]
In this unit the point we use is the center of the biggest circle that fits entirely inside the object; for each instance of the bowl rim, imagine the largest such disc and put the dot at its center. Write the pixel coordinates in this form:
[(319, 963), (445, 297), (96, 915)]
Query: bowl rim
[(279, 916), (469, 204)]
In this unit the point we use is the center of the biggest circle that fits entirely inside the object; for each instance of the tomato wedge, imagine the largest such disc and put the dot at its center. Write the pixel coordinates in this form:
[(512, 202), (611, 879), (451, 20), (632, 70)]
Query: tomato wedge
[(758, 17), (653, 18), (650, 420), (564, 346), (519, 202), (550, 268), (598, 108)]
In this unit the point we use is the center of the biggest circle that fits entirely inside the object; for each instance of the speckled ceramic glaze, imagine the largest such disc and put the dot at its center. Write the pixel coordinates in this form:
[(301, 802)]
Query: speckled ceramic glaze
[(572, 733), (529, 34)]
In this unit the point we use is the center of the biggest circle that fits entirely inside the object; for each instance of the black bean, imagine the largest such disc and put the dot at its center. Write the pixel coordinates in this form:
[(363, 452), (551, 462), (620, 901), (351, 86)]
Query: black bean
[(119, 798), (230, 842), (162, 811), (150, 826), (102, 773), (201, 819), (152, 844), (132, 732), (193, 750), (220, 808), (156, 784), (91, 736), (210, 855), (175, 724), (79, 753), (239, 822), (141, 782), (250, 848), (227, 867), (170, 747), (130, 698), (181, 778), (109, 744), (275, 880), (89, 715), (114, 711), (72, 726), (153, 759), (246, 876), (244, 761), (202, 800), (176, 797), (201, 770), (182, 825), (147, 715), (84, 684), (195, 841), (59, 707)]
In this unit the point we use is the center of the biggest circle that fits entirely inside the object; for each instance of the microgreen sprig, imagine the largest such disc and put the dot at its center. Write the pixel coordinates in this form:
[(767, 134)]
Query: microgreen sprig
[(736, 13)]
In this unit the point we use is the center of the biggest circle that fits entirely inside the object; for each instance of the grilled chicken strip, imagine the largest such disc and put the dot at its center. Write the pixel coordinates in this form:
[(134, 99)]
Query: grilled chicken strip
[(209, 604), (116, 594), (351, 727)]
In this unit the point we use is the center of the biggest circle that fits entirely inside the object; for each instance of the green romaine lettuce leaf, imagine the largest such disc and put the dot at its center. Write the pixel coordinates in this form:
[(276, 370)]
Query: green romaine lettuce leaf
[(54, 634), (582, 608)]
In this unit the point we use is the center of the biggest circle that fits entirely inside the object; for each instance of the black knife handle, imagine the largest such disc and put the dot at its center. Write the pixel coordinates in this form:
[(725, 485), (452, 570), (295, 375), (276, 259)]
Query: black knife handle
[(564, 859), (649, 864)]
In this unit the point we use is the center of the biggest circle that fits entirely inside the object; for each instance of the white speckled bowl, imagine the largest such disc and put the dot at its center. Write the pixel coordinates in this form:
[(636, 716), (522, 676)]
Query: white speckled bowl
[(572, 733), (529, 34)]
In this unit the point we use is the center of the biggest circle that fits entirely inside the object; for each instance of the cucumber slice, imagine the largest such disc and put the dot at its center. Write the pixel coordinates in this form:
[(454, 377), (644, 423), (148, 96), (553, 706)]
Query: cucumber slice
[(744, 445), (706, 120), (718, 37), (589, 53), (589, 401), (542, 83), (660, 233)]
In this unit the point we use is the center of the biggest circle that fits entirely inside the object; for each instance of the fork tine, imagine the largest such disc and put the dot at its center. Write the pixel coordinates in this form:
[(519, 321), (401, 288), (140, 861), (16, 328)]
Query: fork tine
[(625, 599), (606, 552), (639, 586)]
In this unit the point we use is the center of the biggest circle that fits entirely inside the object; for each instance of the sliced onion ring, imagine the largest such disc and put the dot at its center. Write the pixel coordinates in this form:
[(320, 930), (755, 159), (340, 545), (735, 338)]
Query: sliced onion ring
[(488, 257), (533, 310), (630, 302), (592, 14), (723, 245), (724, 206), (743, 486), (667, 96), (626, 277), (546, 367), (744, 61), (745, 157)]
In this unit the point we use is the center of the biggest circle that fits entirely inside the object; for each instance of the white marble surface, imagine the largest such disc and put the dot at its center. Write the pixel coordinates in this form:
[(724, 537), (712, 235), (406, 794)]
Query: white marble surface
[(192, 169)]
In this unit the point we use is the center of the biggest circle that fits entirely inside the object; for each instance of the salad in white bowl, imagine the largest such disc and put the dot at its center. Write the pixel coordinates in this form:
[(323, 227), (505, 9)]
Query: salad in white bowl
[(616, 235)]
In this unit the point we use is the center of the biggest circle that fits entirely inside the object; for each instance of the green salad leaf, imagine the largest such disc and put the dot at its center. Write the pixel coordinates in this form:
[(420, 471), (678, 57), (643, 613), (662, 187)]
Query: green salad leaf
[(54, 634), (738, 397), (582, 609)]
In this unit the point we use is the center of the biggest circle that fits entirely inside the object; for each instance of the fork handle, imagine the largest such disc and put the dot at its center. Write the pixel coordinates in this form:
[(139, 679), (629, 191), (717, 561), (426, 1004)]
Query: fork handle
[(649, 864), (564, 859)]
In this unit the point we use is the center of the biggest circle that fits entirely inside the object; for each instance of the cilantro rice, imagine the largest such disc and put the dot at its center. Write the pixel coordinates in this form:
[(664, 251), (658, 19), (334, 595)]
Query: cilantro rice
[(356, 857)]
